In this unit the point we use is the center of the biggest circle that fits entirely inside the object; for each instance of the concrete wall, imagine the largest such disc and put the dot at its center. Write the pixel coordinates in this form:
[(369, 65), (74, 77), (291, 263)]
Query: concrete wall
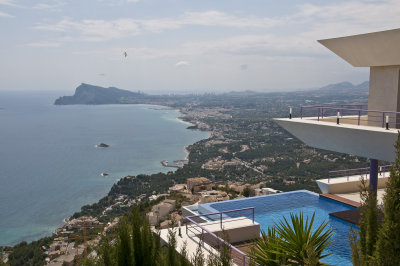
[(239, 234), (384, 92)]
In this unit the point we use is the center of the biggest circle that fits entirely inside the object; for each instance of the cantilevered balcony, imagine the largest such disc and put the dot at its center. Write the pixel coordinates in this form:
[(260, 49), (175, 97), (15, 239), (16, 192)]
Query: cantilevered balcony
[(351, 129)]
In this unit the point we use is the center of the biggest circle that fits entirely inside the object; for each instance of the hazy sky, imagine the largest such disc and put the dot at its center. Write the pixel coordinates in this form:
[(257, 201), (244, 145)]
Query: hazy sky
[(176, 45)]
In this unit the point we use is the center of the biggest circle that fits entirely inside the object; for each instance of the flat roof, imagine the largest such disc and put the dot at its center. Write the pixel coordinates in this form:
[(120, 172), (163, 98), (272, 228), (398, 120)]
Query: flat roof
[(366, 50)]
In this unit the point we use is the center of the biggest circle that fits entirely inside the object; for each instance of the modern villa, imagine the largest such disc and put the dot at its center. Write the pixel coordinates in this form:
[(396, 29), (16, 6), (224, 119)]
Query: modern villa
[(363, 130)]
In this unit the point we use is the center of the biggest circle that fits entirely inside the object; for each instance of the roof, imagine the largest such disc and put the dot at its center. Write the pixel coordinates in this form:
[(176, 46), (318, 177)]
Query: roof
[(198, 180), (365, 50)]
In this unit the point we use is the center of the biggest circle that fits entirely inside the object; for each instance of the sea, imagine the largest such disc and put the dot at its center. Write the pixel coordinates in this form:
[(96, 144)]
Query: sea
[(50, 167)]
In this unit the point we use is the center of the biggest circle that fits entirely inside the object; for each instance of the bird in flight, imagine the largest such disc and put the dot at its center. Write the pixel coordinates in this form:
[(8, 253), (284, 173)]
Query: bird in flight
[(125, 54)]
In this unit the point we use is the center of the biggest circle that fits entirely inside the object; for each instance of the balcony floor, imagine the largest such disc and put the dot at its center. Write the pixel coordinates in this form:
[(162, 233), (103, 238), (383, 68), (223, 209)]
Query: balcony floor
[(366, 141)]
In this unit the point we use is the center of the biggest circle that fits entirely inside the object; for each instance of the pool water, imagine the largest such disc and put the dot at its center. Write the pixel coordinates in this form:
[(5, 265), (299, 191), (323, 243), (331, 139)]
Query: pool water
[(272, 208)]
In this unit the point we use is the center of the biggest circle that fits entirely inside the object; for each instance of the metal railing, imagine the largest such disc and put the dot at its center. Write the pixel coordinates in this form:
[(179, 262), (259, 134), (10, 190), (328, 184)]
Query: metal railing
[(357, 171), (355, 112), (216, 242)]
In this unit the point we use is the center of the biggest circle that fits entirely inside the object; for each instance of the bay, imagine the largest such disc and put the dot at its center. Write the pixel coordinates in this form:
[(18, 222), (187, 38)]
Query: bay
[(50, 167)]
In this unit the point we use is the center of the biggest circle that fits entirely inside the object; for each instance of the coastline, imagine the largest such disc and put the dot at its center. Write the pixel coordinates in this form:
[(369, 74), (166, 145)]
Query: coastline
[(186, 150), (68, 216)]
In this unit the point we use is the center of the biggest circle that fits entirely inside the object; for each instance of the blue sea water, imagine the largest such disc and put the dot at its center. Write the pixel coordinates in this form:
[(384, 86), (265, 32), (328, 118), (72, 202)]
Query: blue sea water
[(49, 166), (272, 208)]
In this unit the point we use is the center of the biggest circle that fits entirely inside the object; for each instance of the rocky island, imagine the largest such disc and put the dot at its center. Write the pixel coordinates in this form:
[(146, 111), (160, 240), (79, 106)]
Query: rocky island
[(102, 145)]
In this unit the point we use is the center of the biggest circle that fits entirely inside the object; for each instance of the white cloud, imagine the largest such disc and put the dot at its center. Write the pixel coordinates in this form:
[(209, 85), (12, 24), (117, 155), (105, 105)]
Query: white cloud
[(182, 64), (94, 30), (314, 22), (53, 5), (44, 44), (2, 14), (102, 30), (7, 2), (211, 18)]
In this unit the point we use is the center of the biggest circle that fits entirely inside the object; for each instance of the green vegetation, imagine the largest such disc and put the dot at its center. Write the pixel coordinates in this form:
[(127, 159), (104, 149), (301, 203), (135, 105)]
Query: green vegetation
[(374, 244), (293, 243), (29, 254), (388, 245), (136, 245), (363, 242)]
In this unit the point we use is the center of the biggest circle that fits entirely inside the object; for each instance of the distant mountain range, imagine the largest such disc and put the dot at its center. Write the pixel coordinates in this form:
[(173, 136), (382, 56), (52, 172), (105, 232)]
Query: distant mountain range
[(91, 94)]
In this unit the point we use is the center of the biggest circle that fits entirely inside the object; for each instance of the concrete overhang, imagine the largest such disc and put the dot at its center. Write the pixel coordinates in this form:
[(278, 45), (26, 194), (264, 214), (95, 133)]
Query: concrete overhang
[(366, 50), (366, 141)]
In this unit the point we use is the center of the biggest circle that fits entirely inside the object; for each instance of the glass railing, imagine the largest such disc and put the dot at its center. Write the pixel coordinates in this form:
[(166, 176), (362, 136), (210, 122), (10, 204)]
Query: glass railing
[(355, 114), (382, 170)]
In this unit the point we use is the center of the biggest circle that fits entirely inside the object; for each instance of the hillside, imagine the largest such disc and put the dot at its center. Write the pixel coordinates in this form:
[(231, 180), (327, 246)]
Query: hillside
[(90, 94)]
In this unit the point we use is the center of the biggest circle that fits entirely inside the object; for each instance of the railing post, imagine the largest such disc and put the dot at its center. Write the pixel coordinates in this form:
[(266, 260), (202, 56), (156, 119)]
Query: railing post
[(359, 116), (383, 119), (318, 113), (220, 218), (186, 227), (301, 112), (201, 239)]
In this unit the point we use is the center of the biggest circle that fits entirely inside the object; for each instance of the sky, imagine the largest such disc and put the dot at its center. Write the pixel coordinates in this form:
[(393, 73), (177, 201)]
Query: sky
[(178, 46)]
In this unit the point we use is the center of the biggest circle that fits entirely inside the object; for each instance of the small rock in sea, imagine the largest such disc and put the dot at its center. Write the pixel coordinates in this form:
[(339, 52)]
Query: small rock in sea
[(102, 145)]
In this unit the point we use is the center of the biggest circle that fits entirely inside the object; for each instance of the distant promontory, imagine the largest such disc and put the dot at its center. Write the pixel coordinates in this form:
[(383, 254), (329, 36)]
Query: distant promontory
[(90, 94)]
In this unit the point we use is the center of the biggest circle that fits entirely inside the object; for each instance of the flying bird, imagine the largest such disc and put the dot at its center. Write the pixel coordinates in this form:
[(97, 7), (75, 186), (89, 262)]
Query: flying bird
[(125, 54)]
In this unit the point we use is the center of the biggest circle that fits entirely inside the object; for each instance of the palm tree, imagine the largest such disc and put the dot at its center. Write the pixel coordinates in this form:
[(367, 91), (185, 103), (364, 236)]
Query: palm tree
[(293, 243)]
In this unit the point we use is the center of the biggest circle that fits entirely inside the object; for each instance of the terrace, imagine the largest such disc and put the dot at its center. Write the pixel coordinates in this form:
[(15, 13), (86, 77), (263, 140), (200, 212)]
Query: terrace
[(351, 129), (346, 183), (213, 230)]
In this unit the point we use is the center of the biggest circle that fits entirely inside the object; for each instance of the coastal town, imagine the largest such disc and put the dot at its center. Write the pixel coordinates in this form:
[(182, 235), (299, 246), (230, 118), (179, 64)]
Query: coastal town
[(246, 155), (78, 236)]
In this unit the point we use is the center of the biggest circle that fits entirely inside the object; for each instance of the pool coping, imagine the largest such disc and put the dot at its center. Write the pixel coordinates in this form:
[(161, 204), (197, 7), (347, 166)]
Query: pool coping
[(341, 199), (211, 209)]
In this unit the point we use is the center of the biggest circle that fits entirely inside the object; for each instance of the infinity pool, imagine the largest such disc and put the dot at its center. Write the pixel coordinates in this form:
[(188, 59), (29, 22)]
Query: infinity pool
[(271, 208)]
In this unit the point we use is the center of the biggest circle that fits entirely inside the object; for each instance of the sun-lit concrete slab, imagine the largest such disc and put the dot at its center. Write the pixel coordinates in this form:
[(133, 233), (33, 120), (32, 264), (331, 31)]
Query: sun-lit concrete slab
[(349, 184), (355, 196), (238, 230), (365, 50), (365, 141), (191, 243)]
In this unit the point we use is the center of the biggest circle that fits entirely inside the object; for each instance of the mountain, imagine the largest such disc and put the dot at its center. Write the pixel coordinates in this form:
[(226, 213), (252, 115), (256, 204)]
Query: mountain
[(345, 86), (90, 94)]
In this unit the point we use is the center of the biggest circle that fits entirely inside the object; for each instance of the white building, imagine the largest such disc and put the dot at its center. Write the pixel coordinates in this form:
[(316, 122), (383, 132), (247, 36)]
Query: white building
[(354, 129)]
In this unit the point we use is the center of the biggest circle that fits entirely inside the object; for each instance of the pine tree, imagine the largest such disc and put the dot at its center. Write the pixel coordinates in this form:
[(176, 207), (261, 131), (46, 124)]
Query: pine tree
[(124, 247), (137, 236), (106, 252), (363, 242), (198, 258), (225, 250), (388, 246), (184, 256), (171, 253)]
